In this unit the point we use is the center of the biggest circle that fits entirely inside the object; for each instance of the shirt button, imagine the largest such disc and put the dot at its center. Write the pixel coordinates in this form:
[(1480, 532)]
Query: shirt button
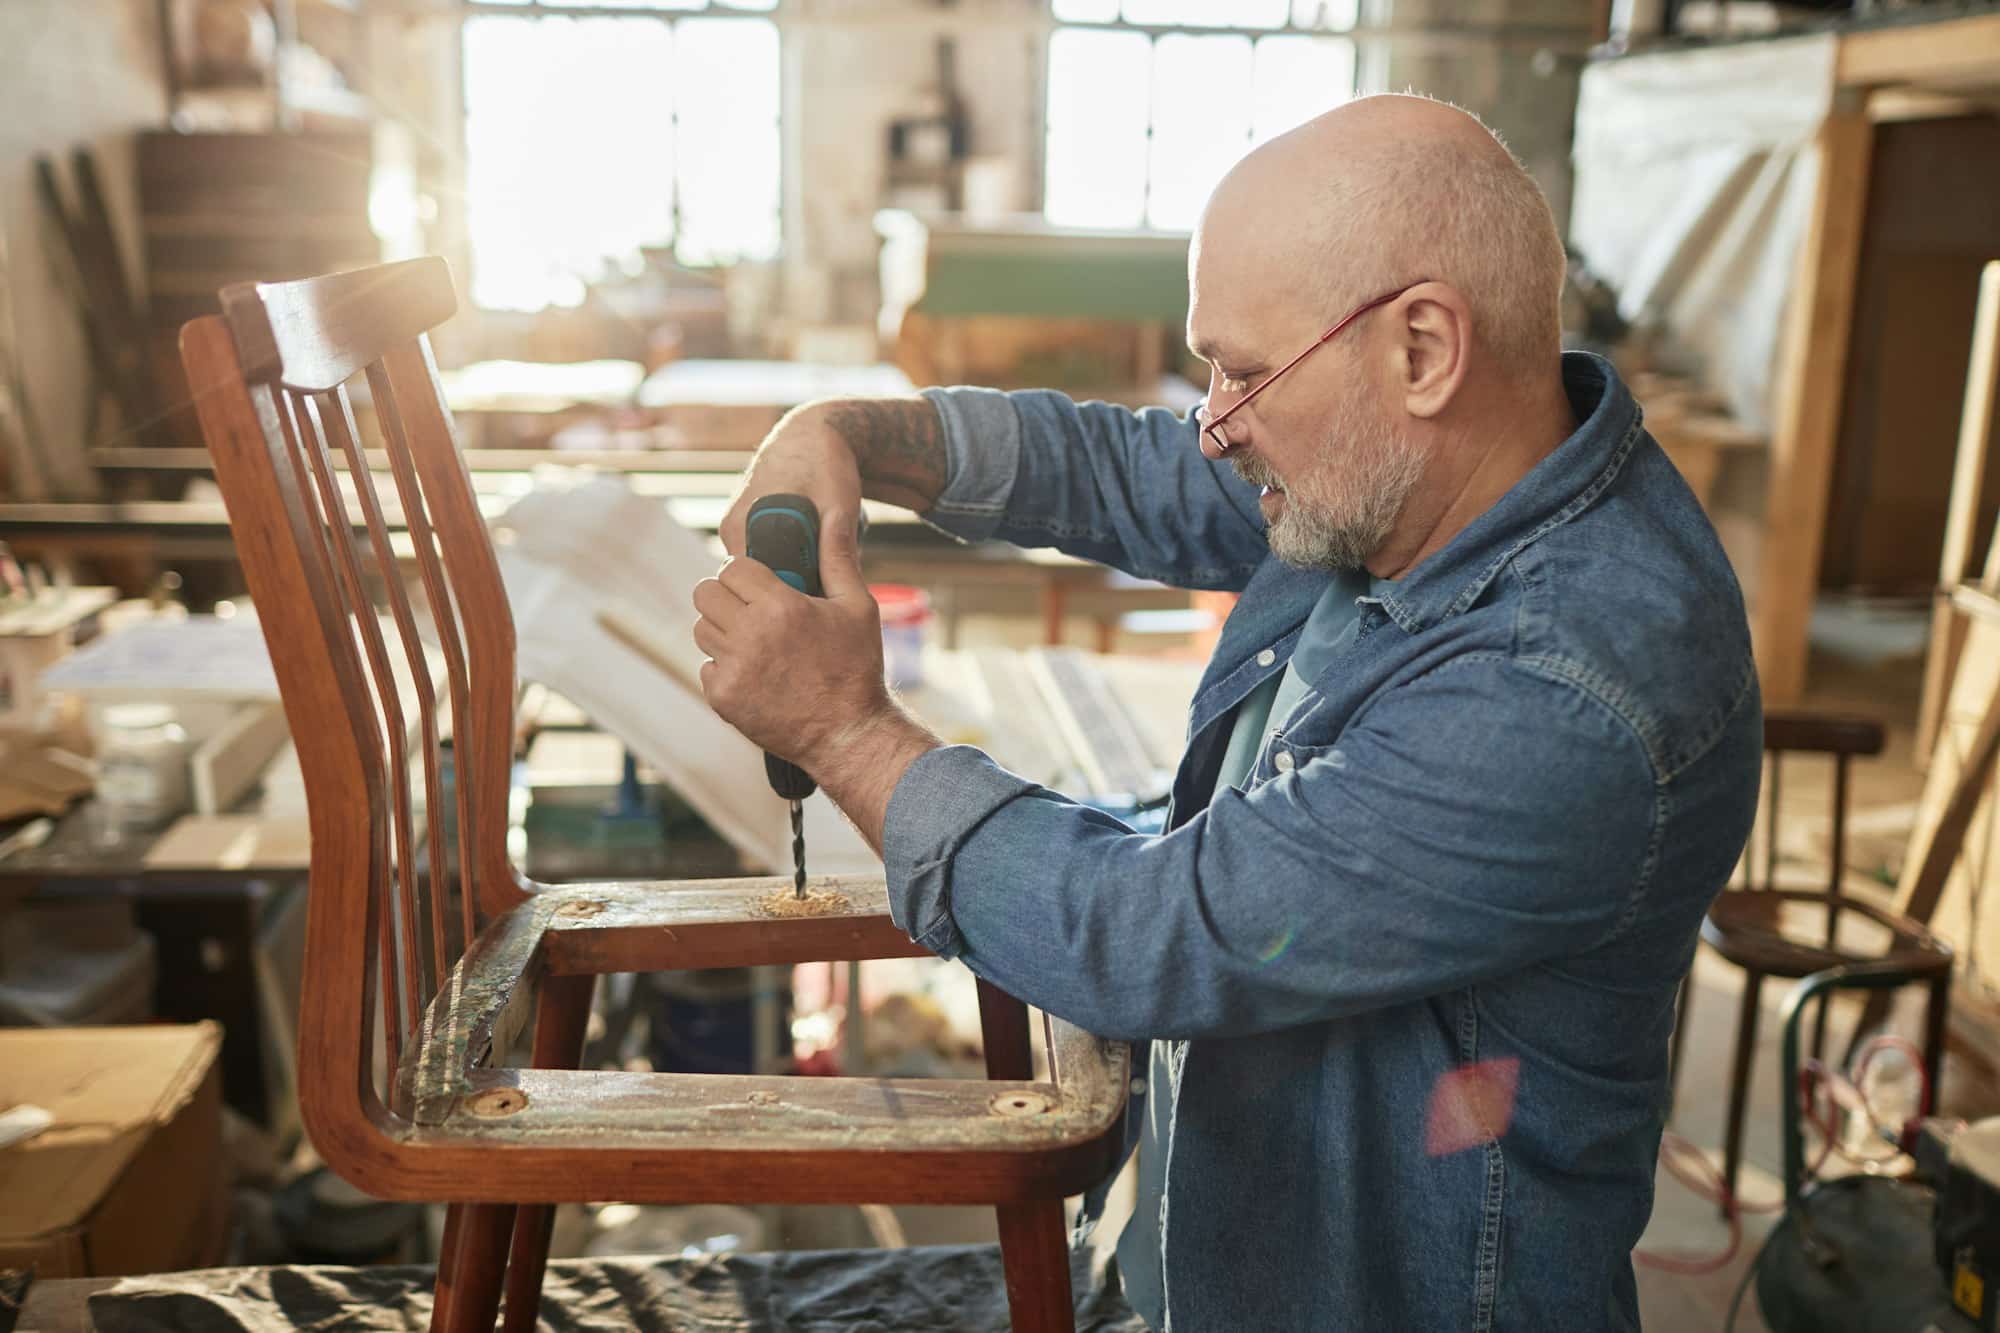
[(1266, 657), (1284, 761)]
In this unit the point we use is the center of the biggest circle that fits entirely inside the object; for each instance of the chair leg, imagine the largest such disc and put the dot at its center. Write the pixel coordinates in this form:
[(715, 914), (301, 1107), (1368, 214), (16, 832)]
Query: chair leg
[(1034, 1246), (1739, 1087), (1003, 1031), (561, 1018), (468, 1286), (447, 1259), (1034, 1251), (1679, 1040), (1937, 1024)]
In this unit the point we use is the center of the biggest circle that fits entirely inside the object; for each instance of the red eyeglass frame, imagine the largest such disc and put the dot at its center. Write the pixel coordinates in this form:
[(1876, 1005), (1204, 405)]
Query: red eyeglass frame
[(1212, 426)]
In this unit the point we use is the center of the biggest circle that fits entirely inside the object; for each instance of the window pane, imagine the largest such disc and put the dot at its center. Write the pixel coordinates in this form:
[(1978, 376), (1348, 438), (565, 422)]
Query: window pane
[(1327, 15), (554, 186), (727, 99), (1086, 11), (1099, 84), (1296, 79), (1209, 13), (1201, 122)]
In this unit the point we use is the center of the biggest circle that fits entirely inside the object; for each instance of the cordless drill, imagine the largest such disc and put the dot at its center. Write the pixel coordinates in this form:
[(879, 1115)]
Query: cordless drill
[(783, 533)]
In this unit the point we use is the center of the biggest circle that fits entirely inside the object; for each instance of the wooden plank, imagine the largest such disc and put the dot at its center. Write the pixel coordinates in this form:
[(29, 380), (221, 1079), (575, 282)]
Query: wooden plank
[(24, 468), (230, 762), (233, 844), (1975, 433), (1950, 53), (1982, 387), (721, 923), (1956, 788), (1817, 338)]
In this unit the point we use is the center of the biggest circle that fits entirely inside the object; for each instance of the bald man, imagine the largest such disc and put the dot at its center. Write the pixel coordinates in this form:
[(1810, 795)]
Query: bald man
[(1479, 744)]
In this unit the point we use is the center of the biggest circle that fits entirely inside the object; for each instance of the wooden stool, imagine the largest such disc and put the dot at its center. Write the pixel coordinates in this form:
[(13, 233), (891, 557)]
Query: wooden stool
[(1744, 925)]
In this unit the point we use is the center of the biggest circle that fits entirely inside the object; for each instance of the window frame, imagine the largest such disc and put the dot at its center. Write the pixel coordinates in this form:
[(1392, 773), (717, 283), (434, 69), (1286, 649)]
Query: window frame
[(657, 11), (1153, 32)]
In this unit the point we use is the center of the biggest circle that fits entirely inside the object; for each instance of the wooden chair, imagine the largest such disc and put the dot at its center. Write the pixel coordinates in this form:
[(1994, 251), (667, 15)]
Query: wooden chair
[(417, 984), (1745, 926)]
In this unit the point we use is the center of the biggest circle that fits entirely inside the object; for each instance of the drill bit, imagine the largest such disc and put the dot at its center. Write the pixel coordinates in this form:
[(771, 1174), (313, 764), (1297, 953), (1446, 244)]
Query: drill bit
[(798, 849), (782, 531)]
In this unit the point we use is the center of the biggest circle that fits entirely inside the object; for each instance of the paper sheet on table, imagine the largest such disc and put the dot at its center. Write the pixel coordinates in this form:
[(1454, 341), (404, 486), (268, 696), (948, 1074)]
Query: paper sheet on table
[(570, 551)]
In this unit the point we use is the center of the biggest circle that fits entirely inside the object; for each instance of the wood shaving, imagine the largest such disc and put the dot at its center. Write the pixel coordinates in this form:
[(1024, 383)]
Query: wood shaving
[(785, 903)]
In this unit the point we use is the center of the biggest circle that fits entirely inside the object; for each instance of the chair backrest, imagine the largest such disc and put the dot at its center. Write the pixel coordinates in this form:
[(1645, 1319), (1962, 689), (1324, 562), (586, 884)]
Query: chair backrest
[(271, 379), (1839, 737)]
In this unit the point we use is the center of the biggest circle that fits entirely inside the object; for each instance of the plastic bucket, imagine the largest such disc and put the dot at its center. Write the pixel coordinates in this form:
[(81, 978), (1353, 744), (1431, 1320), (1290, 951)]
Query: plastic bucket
[(906, 627)]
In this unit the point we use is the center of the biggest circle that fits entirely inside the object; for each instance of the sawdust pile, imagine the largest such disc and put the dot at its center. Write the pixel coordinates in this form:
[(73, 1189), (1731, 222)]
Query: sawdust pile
[(785, 903)]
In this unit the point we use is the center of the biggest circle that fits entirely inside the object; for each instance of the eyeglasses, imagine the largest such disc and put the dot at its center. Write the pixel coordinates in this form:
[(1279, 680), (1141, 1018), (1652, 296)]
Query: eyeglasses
[(1211, 426)]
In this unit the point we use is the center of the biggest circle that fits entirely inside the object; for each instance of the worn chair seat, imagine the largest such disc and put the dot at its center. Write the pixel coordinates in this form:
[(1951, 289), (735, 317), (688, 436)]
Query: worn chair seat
[(1750, 930), (988, 1140)]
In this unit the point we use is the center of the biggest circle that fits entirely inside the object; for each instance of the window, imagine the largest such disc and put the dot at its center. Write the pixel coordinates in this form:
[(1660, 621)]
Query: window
[(1150, 101), (591, 137)]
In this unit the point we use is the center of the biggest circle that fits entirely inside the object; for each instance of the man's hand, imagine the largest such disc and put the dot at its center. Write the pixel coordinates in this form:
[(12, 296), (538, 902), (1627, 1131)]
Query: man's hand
[(802, 676), (803, 455), (836, 451), (787, 670)]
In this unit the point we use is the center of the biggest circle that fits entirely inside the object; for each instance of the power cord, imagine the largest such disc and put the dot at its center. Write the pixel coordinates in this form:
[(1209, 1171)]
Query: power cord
[(1827, 1099)]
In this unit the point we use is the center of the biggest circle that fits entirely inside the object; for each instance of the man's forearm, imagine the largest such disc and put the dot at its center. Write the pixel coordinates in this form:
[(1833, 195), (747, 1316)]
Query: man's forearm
[(863, 764), (898, 447)]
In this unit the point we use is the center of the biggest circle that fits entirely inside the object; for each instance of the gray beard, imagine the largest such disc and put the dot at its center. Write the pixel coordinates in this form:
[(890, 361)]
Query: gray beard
[(1341, 512)]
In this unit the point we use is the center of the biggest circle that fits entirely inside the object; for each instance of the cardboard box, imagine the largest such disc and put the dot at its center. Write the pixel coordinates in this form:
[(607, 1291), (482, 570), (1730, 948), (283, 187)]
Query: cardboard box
[(129, 1178)]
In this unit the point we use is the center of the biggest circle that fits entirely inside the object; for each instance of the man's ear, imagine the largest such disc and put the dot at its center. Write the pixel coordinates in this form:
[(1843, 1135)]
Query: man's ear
[(1434, 332)]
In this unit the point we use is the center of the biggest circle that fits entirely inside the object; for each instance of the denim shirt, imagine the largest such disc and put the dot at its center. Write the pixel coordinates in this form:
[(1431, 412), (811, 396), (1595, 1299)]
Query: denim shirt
[(1414, 981)]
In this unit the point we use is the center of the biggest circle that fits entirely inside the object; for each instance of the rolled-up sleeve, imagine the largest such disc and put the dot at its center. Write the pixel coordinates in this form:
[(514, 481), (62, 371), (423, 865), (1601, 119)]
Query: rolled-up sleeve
[(1096, 480), (1470, 823)]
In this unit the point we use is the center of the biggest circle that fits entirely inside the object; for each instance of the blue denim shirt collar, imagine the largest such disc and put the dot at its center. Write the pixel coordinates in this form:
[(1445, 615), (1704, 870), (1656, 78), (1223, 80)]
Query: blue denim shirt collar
[(1554, 491), (1279, 598)]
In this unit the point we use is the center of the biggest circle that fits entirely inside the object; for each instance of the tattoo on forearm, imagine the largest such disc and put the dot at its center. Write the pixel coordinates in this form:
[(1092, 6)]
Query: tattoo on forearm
[(898, 445)]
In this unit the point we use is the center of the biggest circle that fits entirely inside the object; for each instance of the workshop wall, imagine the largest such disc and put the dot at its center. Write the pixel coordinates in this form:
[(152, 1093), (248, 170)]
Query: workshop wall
[(70, 75), (854, 66), (1516, 63)]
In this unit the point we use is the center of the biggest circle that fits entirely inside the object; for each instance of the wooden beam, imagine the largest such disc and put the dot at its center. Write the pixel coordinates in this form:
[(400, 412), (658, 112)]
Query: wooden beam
[(1975, 429), (1811, 385), (1899, 103), (1946, 54), (112, 458)]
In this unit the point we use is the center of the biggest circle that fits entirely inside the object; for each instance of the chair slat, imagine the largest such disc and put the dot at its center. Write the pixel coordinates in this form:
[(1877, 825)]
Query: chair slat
[(315, 424), (317, 535), (483, 731), (349, 440), (437, 594)]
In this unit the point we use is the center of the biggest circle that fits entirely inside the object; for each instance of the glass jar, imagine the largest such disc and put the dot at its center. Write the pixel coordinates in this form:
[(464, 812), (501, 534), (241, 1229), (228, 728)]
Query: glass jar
[(142, 768)]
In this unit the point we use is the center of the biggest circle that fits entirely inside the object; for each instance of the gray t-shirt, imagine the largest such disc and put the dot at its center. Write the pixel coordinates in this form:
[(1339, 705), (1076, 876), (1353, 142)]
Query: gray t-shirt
[(1326, 633)]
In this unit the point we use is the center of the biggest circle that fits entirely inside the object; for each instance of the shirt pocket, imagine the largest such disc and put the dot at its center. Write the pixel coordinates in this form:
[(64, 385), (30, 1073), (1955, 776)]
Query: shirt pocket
[(1308, 734)]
